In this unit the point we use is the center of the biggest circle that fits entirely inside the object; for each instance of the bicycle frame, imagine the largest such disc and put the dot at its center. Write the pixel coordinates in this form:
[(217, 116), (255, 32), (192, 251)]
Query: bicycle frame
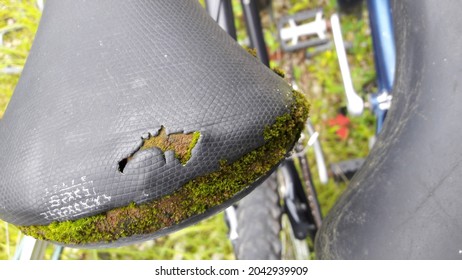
[(380, 18)]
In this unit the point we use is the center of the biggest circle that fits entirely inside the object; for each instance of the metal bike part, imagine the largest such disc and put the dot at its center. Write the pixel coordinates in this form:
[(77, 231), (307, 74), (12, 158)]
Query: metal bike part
[(31, 249), (293, 30), (6, 30), (310, 191), (355, 102), (231, 219), (222, 12), (9, 69), (293, 248), (345, 170), (314, 142), (380, 104), (383, 42), (301, 149), (382, 33), (40, 4), (319, 155), (57, 252), (254, 29), (296, 203), (381, 100)]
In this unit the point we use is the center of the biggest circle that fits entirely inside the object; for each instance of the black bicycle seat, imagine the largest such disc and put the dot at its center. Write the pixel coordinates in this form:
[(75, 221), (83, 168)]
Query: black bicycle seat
[(406, 202), (133, 119)]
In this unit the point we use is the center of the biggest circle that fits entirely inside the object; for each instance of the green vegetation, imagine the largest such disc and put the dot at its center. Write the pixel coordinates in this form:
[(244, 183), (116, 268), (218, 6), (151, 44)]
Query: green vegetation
[(181, 144), (319, 77), (18, 23)]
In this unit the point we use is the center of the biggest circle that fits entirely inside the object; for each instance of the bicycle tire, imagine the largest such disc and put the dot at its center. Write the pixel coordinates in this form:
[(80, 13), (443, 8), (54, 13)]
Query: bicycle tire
[(259, 223), (405, 203)]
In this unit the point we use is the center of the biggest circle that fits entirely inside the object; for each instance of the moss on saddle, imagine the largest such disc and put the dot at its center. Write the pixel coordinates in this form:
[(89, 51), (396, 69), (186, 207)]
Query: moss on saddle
[(181, 144), (194, 198), (276, 70), (251, 51)]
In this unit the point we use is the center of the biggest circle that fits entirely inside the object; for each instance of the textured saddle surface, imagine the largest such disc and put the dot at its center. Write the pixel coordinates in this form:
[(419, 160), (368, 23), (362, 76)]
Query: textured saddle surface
[(103, 79)]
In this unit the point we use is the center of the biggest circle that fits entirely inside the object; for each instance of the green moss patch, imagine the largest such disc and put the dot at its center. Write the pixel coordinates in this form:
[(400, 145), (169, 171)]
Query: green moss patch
[(181, 144), (194, 198), (279, 71), (251, 51), (276, 70)]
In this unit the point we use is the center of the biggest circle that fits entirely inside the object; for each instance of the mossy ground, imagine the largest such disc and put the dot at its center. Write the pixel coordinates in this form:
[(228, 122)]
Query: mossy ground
[(194, 198)]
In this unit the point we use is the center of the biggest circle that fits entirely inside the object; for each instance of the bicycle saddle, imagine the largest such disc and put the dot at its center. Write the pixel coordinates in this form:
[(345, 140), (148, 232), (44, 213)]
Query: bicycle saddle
[(133, 119), (406, 203)]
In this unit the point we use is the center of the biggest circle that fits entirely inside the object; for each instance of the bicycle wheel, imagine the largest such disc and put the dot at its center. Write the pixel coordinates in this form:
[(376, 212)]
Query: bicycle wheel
[(263, 228), (259, 223)]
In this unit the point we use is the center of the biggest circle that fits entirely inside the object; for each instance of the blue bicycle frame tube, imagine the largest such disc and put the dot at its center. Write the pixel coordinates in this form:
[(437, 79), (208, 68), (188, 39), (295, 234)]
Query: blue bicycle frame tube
[(384, 42), (384, 52)]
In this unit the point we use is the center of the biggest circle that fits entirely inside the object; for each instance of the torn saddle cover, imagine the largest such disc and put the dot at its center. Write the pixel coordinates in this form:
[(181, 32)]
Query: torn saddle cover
[(125, 102)]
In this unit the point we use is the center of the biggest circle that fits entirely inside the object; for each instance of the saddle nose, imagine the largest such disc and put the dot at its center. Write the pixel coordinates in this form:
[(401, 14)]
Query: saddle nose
[(136, 118)]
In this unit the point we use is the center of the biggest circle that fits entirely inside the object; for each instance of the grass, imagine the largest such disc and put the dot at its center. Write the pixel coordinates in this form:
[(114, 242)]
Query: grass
[(319, 77), (18, 21)]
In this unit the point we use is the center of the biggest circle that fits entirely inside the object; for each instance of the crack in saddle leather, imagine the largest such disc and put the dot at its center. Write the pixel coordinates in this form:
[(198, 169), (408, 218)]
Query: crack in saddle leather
[(104, 75)]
